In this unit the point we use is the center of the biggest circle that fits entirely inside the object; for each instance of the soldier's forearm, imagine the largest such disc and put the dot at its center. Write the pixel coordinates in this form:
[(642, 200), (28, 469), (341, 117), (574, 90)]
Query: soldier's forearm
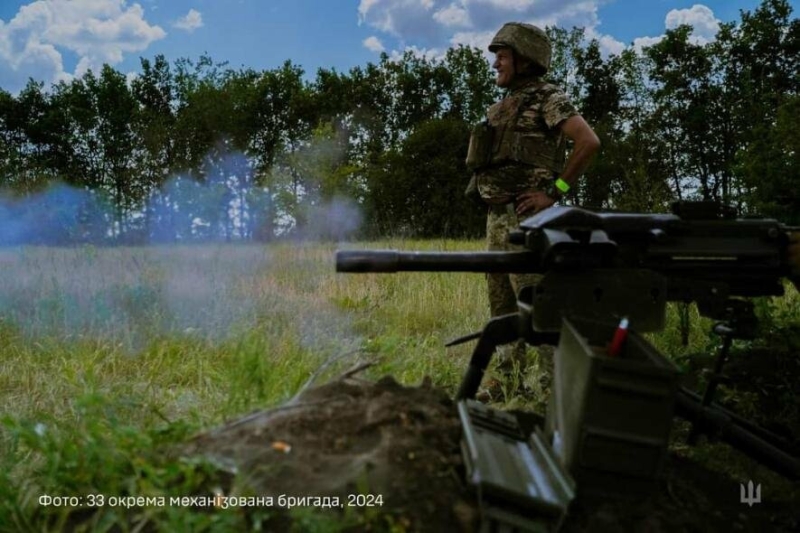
[(579, 159), (586, 145)]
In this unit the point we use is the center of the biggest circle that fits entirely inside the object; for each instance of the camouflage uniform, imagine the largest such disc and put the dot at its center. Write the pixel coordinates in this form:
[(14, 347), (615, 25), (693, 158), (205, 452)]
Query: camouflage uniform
[(528, 151)]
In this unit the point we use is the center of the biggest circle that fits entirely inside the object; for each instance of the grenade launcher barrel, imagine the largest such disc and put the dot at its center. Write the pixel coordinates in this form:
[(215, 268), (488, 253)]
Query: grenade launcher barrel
[(698, 253), (390, 261)]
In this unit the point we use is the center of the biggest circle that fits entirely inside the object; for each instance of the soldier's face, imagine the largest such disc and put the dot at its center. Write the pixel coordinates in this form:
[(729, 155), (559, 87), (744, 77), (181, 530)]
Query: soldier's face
[(504, 65)]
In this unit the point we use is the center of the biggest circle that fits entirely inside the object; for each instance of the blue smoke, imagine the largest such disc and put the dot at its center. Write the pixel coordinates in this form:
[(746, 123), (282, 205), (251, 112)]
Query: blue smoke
[(57, 216)]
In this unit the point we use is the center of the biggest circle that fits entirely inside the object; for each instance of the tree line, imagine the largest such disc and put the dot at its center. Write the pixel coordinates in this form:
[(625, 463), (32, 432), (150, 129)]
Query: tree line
[(197, 150)]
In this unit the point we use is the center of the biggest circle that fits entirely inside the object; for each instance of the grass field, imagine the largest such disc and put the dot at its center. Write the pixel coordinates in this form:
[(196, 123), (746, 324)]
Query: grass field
[(108, 356)]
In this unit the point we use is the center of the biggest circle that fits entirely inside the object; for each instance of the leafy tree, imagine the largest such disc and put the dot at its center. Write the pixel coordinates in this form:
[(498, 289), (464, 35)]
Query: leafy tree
[(682, 73), (198, 150), (565, 59), (116, 112), (600, 106), (11, 138), (26, 121), (641, 156), (154, 92), (468, 84), (764, 70), (419, 189)]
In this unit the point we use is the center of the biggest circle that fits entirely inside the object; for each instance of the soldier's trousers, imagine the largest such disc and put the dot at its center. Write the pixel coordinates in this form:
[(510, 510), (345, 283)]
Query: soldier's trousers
[(504, 288)]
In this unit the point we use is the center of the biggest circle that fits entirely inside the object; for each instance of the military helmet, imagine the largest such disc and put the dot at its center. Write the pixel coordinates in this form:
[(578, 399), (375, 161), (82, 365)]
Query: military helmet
[(526, 40)]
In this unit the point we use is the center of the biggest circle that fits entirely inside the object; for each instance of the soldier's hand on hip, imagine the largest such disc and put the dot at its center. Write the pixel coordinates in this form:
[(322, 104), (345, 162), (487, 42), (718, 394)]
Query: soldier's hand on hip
[(531, 202)]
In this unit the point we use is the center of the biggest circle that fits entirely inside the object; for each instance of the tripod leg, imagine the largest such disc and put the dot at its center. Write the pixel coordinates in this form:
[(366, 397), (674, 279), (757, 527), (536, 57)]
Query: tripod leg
[(764, 448), (715, 378), (499, 330)]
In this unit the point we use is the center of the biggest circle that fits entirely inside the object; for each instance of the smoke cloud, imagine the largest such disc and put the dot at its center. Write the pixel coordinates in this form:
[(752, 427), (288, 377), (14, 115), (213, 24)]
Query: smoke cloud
[(185, 263)]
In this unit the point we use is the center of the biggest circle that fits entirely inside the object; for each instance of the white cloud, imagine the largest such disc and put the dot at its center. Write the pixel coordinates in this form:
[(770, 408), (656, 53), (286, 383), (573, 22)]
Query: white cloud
[(702, 20), (427, 27), (98, 31), (409, 18), (373, 44), (433, 54), (453, 16), (406, 19), (435, 23), (608, 44), (130, 77), (365, 6), (479, 39), (642, 42), (190, 22)]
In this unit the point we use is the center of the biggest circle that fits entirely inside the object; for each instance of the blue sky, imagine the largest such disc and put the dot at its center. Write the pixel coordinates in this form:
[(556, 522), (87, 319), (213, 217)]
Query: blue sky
[(50, 40)]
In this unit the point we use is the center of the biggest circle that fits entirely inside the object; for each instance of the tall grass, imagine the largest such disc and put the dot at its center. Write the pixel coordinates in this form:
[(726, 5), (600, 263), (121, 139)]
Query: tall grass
[(108, 356)]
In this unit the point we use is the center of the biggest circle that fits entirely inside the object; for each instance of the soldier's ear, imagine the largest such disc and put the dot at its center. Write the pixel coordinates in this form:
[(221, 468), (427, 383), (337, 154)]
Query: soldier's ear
[(522, 64)]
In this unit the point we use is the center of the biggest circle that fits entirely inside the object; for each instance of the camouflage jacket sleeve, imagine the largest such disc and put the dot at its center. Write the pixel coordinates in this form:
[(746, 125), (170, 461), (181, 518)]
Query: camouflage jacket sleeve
[(555, 106)]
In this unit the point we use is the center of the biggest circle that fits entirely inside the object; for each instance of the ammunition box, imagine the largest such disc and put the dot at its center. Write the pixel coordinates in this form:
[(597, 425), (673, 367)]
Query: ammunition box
[(609, 418), (520, 484)]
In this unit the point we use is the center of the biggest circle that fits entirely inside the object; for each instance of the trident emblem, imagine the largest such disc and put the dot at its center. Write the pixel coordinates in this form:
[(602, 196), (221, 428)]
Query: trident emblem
[(751, 495)]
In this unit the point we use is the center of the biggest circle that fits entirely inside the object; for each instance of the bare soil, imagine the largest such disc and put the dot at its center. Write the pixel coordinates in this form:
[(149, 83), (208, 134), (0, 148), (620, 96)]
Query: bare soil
[(353, 436)]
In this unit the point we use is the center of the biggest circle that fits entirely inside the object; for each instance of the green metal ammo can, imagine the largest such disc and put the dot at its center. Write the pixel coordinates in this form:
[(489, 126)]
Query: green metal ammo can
[(609, 418)]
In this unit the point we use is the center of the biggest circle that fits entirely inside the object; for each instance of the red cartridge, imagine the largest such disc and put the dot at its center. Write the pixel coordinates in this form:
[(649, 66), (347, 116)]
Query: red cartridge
[(618, 340)]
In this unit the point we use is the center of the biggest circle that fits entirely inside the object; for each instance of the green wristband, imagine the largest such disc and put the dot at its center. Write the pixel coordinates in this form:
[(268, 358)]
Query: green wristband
[(562, 186)]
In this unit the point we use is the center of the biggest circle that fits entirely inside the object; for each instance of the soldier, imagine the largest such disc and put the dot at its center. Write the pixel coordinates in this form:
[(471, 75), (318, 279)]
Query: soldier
[(518, 155)]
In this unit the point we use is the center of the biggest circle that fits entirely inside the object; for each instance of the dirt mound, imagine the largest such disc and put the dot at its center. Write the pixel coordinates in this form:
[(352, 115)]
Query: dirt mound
[(352, 437)]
